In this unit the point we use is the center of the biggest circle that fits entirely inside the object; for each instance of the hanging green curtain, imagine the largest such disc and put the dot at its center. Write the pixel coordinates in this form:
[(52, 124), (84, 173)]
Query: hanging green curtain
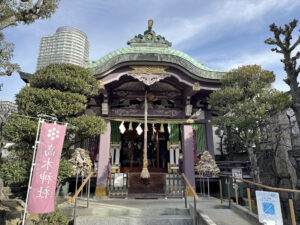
[(115, 135), (174, 134), (200, 136), (86, 144)]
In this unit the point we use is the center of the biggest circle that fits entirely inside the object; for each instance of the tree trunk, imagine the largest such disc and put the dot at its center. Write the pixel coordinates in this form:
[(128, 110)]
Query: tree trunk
[(295, 93), (295, 153), (254, 165)]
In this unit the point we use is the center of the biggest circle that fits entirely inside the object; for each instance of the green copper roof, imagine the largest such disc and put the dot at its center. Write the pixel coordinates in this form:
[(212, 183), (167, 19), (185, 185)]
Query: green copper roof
[(131, 54)]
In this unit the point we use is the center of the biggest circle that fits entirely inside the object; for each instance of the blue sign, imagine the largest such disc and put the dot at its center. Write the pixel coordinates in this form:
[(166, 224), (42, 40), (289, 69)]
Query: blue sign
[(268, 207)]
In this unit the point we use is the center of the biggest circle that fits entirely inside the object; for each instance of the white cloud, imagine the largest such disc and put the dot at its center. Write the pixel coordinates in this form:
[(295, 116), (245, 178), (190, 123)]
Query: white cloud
[(266, 59), (224, 18)]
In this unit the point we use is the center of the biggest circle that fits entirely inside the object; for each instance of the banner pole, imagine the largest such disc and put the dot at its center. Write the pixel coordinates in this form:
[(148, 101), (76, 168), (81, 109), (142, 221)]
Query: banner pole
[(32, 165)]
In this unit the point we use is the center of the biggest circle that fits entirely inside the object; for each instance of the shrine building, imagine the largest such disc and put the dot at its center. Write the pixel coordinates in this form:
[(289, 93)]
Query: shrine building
[(149, 80), (178, 116)]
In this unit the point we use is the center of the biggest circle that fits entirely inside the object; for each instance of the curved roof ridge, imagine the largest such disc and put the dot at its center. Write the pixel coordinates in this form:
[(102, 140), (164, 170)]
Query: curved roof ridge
[(168, 55), (169, 51)]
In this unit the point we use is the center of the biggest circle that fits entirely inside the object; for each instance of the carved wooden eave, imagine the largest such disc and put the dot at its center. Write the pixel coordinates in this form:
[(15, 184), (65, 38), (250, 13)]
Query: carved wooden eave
[(149, 74), (148, 70)]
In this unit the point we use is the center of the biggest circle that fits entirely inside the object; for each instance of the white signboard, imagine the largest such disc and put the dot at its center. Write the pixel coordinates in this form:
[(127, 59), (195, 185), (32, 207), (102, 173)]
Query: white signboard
[(268, 207), (119, 181), (237, 173)]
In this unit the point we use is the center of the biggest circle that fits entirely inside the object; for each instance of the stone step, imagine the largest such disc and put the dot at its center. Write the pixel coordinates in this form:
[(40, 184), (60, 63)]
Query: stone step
[(94, 220), (128, 212), (112, 214)]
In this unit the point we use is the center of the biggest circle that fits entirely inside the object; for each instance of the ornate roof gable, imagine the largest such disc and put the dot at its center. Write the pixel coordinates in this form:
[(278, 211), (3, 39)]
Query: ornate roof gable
[(149, 39)]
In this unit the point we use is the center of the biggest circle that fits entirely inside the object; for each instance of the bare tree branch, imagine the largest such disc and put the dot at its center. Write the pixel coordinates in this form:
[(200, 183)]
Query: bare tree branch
[(276, 50), (289, 61), (297, 56), (10, 21), (295, 44), (13, 13), (271, 41)]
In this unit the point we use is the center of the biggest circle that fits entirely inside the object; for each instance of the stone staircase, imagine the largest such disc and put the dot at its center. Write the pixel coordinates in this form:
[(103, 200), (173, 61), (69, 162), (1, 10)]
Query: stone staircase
[(129, 213)]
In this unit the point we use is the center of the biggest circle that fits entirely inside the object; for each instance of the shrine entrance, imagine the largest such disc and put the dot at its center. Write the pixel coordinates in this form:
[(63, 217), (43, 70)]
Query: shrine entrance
[(131, 154)]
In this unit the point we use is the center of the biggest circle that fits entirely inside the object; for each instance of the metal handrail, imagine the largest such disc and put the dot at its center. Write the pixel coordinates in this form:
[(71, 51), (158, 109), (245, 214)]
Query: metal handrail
[(82, 186), (190, 187), (196, 198), (291, 204), (74, 199)]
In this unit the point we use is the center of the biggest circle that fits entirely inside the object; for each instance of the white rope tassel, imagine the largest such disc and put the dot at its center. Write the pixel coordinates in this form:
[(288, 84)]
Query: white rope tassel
[(130, 126), (162, 130)]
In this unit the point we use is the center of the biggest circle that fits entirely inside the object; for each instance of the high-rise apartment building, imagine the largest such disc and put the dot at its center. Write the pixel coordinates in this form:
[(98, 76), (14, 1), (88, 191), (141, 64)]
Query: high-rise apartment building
[(67, 45)]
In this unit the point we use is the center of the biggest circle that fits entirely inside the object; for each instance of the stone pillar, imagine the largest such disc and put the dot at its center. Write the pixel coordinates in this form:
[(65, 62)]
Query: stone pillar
[(103, 162), (209, 135), (188, 155)]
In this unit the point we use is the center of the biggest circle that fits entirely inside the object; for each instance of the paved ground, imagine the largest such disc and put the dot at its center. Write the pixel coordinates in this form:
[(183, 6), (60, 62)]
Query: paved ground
[(150, 211), (221, 214)]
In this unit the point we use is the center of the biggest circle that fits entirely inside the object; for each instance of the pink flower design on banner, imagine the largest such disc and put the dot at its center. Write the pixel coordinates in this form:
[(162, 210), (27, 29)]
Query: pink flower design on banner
[(42, 192)]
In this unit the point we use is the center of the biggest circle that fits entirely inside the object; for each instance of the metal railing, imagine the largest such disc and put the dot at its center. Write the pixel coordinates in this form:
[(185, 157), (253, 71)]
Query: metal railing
[(290, 191), (118, 189), (77, 192), (174, 186), (196, 198)]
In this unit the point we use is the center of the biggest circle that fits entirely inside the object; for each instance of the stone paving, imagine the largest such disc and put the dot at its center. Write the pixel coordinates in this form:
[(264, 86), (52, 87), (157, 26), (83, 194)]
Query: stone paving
[(150, 211), (221, 214)]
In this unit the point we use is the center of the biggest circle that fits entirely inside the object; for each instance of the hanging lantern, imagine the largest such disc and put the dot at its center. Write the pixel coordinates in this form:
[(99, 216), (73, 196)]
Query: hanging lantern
[(122, 128), (139, 129), (169, 128), (130, 126), (162, 130)]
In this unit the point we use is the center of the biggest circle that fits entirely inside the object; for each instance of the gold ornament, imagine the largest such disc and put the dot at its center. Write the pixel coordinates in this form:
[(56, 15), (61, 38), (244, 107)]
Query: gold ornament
[(150, 24), (148, 70)]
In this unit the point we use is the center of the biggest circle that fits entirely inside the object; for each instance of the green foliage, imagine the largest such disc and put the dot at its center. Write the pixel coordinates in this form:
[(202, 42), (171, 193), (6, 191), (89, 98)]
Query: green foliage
[(6, 55), (245, 103), (60, 89), (87, 126), (34, 101), (15, 12), (15, 171), (20, 130), (66, 78), (55, 218), (25, 11), (65, 170)]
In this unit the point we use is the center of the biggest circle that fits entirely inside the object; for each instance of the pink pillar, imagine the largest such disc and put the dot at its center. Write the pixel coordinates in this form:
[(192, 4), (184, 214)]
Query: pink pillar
[(103, 161), (188, 154)]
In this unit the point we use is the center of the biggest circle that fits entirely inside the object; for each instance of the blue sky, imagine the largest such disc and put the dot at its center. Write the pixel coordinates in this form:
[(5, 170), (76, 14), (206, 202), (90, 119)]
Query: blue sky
[(221, 34)]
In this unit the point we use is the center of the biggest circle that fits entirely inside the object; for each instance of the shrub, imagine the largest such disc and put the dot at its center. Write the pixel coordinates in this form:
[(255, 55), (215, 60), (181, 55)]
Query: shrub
[(55, 218)]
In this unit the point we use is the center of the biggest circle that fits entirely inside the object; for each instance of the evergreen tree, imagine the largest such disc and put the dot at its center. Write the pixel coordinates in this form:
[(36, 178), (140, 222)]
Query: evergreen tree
[(244, 105), (60, 90)]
